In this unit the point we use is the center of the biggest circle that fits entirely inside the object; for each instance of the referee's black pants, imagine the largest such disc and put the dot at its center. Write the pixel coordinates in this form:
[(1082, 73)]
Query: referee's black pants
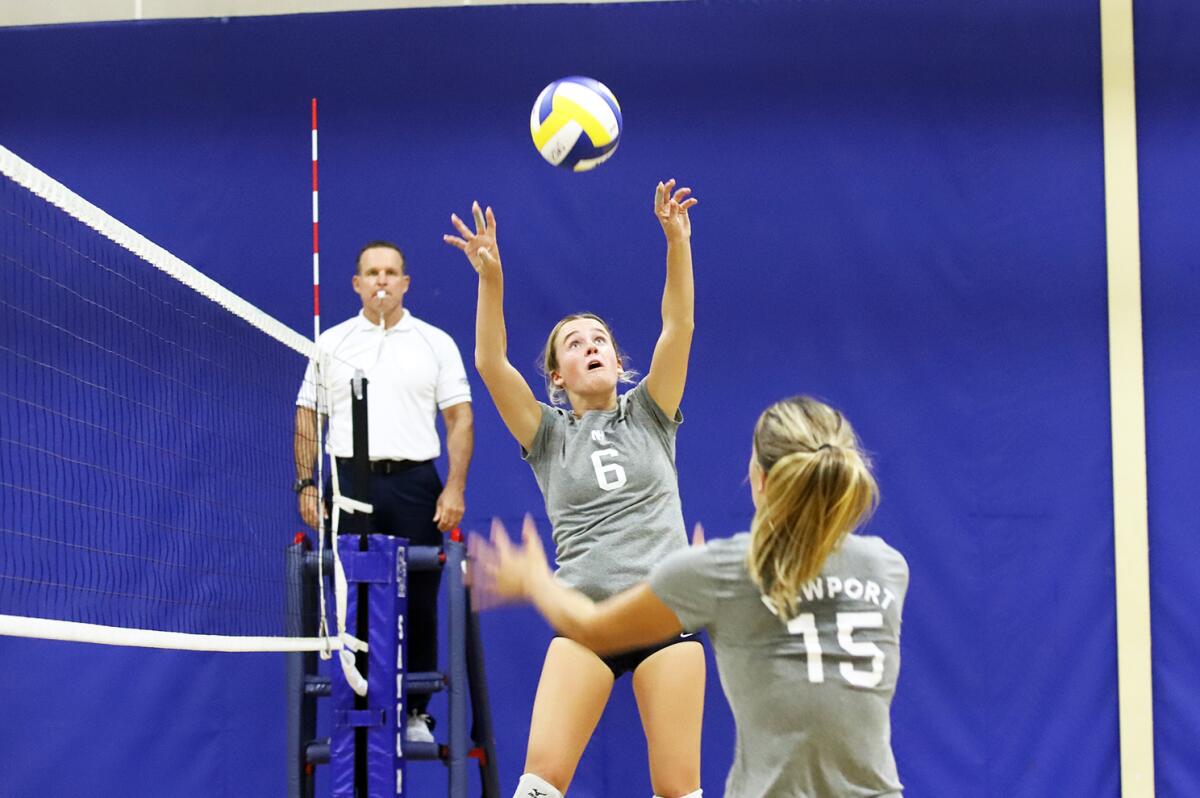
[(405, 502)]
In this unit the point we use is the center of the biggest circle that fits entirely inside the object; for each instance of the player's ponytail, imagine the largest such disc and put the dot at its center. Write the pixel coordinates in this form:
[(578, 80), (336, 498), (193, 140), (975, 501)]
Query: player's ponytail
[(818, 489)]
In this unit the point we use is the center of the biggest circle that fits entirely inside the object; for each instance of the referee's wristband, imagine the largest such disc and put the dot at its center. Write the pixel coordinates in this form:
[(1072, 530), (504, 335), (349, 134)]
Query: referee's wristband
[(301, 484)]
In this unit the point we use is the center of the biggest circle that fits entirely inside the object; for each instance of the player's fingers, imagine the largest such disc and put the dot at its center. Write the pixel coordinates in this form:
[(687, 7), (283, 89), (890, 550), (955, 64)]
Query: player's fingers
[(480, 222), (480, 558), (479, 553), (698, 534), (681, 193), (531, 539), (668, 189), (491, 220), (485, 253), (500, 536), (688, 203), (659, 194), (455, 241), (461, 226)]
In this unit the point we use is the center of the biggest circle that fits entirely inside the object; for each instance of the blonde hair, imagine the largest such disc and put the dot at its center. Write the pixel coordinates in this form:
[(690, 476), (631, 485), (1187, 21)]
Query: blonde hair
[(548, 360), (819, 488)]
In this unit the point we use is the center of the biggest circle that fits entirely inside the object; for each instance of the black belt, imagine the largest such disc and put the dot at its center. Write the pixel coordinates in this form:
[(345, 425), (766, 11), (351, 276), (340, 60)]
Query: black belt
[(385, 466)]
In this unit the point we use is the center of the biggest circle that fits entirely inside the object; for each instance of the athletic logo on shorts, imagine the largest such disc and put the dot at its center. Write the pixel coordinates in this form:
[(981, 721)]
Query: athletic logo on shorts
[(536, 793)]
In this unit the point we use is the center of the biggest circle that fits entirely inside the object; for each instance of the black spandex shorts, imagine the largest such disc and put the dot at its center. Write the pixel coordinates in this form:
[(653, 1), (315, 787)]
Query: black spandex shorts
[(620, 664)]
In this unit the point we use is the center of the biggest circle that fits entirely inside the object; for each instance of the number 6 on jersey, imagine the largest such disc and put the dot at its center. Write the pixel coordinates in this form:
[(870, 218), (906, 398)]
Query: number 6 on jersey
[(610, 476)]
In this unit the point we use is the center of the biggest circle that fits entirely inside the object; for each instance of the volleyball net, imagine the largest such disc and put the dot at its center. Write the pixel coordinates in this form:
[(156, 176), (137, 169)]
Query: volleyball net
[(146, 433)]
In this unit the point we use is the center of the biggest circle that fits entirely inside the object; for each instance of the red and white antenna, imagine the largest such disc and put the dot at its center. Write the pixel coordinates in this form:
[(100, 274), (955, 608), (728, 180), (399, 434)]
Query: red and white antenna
[(316, 239), (320, 391)]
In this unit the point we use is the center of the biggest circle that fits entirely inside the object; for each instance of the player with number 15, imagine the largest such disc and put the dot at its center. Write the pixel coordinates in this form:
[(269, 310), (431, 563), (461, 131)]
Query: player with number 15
[(606, 467), (804, 616)]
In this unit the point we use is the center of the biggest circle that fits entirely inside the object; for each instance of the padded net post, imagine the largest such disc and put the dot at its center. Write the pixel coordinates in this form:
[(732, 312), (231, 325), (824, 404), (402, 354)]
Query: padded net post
[(380, 570)]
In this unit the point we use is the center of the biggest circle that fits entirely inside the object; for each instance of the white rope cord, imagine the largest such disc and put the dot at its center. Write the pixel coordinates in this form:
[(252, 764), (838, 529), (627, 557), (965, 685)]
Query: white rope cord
[(347, 643), (323, 623)]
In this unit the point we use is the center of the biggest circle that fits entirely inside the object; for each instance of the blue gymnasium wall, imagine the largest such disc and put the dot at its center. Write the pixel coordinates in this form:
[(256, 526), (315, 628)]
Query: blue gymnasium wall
[(1168, 64), (901, 211)]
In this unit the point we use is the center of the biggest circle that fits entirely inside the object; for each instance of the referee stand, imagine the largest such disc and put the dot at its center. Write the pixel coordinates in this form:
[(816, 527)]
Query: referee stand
[(367, 751)]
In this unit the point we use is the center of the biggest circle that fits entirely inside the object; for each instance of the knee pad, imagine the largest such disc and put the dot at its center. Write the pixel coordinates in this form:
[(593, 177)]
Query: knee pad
[(533, 786)]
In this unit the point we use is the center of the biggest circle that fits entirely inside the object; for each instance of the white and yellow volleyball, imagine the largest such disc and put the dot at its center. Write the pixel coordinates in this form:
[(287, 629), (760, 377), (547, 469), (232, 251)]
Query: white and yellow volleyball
[(576, 123)]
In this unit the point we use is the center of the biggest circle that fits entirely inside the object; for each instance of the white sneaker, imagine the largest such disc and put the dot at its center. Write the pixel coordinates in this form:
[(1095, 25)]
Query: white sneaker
[(419, 728)]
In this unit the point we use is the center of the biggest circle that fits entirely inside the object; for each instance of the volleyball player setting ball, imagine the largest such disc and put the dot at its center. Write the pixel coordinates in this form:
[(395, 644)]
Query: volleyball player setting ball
[(606, 467), (803, 615)]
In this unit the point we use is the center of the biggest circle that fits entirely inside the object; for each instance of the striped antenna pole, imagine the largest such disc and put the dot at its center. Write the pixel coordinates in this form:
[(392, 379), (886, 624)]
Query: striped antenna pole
[(316, 241), (320, 389)]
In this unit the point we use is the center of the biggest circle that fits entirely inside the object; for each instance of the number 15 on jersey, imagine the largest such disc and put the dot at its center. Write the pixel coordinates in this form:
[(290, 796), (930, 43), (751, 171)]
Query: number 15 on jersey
[(805, 625)]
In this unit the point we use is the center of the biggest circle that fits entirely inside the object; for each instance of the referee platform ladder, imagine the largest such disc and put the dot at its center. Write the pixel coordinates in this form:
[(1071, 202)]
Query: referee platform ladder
[(368, 752)]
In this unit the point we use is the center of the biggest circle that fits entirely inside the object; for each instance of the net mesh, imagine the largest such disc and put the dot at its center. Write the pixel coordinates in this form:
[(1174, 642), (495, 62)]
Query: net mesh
[(146, 430)]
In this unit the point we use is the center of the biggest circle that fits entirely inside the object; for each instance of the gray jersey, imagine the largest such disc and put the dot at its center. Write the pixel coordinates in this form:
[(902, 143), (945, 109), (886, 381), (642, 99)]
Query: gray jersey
[(611, 490), (811, 695)]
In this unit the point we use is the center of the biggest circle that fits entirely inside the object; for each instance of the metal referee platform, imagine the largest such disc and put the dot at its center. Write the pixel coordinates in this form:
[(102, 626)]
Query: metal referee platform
[(367, 753)]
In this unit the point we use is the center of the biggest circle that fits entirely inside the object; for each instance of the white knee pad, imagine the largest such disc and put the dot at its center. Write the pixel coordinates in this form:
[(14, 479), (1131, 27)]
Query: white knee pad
[(533, 786), (696, 794)]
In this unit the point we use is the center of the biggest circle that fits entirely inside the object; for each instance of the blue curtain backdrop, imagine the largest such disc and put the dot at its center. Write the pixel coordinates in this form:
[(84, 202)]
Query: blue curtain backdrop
[(901, 211), (1169, 121)]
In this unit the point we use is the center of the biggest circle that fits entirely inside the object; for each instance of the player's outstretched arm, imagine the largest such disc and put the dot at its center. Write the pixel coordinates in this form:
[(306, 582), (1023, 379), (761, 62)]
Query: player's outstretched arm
[(513, 397), (501, 572), (668, 368)]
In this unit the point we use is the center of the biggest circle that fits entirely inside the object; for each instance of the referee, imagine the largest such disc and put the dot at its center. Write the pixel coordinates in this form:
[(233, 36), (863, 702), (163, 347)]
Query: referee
[(414, 370)]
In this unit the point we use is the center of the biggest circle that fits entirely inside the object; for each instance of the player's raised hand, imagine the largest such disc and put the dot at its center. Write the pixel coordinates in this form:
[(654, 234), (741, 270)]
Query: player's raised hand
[(483, 561), (671, 207), (501, 573), (479, 245), (533, 554)]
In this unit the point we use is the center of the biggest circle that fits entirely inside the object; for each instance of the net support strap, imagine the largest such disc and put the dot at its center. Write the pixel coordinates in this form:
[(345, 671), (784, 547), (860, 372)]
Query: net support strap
[(348, 643)]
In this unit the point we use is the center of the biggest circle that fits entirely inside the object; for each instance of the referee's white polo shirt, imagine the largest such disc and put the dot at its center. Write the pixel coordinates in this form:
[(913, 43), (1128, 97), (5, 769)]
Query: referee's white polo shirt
[(414, 369)]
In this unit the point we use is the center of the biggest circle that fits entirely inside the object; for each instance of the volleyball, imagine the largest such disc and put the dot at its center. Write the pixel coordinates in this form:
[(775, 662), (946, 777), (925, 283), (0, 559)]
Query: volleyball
[(576, 123)]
